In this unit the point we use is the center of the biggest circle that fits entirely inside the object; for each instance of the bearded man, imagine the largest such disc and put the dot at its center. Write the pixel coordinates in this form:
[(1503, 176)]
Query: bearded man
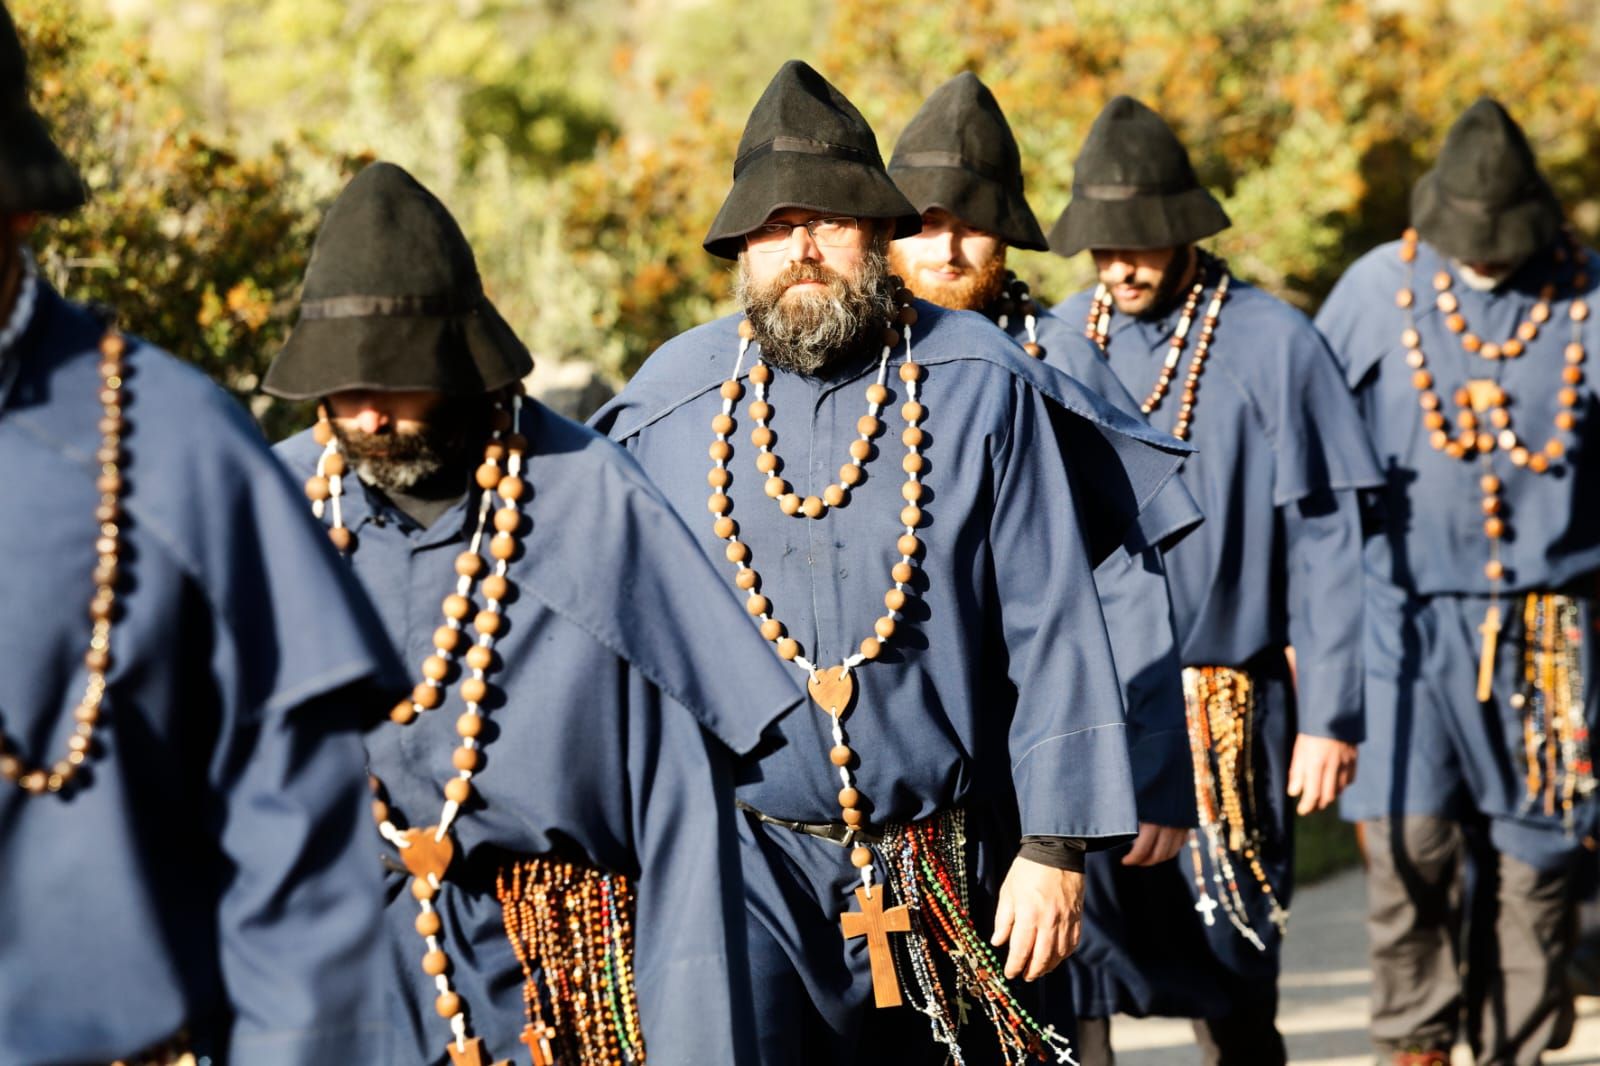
[(190, 670), (556, 791), (931, 503), (959, 165), (1281, 456), (1466, 344)]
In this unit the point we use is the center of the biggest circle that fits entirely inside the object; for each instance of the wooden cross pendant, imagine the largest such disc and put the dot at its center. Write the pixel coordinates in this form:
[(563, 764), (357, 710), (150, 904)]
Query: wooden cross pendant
[(540, 1043), (472, 1056), (1491, 638), (875, 923)]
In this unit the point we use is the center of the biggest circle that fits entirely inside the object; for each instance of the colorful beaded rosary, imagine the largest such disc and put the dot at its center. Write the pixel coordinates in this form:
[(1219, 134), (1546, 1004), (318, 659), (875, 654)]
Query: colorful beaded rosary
[(574, 924), (1220, 708), (427, 852), (1098, 329), (1015, 298), (1482, 416), (1555, 735), (927, 868), (36, 780), (832, 687)]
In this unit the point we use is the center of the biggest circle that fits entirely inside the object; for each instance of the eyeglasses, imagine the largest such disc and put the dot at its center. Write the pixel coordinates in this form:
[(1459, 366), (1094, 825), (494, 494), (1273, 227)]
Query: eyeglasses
[(827, 232)]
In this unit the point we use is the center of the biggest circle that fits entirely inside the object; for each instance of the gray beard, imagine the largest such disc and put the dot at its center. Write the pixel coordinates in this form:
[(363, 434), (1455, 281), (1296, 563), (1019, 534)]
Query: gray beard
[(392, 462), (806, 331)]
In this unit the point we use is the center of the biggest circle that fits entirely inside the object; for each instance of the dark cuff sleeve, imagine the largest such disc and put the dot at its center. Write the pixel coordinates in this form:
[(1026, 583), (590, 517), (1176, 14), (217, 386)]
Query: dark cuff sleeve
[(1060, 853)]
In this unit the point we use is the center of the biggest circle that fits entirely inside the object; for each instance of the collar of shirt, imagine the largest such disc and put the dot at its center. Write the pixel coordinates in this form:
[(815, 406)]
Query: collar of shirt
[(22, 309), (369, 506)]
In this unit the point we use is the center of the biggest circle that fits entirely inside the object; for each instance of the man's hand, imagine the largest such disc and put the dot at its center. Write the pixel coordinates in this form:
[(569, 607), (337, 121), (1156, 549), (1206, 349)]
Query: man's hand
[(1039, 913), (1154, 844), (1319, 770)]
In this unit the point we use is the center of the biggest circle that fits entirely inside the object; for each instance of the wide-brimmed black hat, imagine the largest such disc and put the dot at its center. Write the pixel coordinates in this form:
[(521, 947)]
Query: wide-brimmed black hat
[(1485, 201), (1133, 187), (806, 146), (959, 154), (34, 175), (393, 300)]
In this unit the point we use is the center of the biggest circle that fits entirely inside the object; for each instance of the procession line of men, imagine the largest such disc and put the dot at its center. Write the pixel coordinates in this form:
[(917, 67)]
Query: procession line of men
[(982, 681)]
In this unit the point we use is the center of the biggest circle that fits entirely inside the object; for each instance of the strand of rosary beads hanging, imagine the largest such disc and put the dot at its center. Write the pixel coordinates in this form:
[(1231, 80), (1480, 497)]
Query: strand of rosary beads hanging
[(1559, 771), (427, 852), (927, 868), (108, 514), (1098, 330), (1014, 299), (831, 687), (572, 922)]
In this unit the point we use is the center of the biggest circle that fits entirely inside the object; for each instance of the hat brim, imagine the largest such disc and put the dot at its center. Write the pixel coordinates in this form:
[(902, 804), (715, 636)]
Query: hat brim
[(1474, 234), (976, 200), (780, 180), (1139, 222), (34, 176), (471, 355)]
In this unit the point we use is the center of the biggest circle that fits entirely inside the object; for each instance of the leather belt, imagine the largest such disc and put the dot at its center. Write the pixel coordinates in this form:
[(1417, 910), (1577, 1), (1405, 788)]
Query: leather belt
[(833, 832)]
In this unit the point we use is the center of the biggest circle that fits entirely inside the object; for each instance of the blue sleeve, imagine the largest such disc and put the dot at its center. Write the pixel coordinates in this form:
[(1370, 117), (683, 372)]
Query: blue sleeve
[(1324, 541), (1138, 614), (1069, 750)]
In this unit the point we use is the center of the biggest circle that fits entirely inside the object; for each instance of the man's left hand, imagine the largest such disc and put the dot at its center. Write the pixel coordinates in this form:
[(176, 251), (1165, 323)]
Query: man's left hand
[(1319, 770), (1038, 913)]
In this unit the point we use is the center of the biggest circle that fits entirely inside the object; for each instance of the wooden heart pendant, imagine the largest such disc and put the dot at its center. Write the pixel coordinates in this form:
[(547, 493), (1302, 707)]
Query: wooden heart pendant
[(426, 855), (831, 688)]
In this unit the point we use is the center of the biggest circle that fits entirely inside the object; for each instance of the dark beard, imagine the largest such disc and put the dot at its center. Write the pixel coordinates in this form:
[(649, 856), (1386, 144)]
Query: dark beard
[(401, 462), (811, 330), (1167, 295)]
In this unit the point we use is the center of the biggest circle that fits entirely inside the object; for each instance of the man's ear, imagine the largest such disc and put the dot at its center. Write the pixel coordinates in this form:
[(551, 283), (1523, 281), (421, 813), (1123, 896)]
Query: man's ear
[(20, 225)]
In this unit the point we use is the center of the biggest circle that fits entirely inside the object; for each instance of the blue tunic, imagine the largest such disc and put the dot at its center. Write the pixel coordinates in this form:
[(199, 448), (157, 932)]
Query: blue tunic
[(1135, 601), (610, 746), (998, 693), (214, 871), (1281, 454), (1432, 748)]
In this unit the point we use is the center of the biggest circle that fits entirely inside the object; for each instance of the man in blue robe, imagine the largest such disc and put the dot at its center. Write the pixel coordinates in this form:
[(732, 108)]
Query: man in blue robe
[(1466, 344), (959, 165), (1280, 456), (181, 843), (570, 742), (971, 712)]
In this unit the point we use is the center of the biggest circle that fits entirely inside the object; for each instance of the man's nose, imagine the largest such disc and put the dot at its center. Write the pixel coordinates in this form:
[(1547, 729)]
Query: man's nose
[(803, 247), (370, 420)]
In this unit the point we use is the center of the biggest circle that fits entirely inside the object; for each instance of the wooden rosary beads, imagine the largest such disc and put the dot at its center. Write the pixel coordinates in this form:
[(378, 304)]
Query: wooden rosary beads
[(427, 852), (1015, 298), (36, 780), (1098, 329), (1220, 708), (574, 925)]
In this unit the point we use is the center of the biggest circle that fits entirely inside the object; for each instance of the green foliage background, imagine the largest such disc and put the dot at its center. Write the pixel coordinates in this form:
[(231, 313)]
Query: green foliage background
[(586, 146)]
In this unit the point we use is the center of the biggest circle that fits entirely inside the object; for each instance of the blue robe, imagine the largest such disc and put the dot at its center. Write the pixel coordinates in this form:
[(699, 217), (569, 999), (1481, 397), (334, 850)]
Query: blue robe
[(1280, 457), (215, 869), (1135, 601), (1432, 748), (611, 746), (997, 694)]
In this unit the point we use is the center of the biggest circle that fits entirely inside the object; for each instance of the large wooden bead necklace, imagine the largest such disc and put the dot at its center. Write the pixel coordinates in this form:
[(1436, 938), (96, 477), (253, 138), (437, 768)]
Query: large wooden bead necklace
[(1482, 416), (1098, 329), (427, 852), (831, 687), (1015, 299), (37, 780)]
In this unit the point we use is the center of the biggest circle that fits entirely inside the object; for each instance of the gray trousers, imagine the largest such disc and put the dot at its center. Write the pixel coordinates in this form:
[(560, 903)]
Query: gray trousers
[(1490, 960)]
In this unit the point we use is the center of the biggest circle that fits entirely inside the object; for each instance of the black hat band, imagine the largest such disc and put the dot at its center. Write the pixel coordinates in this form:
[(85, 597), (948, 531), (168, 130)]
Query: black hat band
[(918, 160), (1473, 205), (386, 307), (804, 146), (1120, 192)]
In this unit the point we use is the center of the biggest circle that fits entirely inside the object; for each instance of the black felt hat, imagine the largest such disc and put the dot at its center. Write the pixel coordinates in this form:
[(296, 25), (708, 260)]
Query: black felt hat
[(1133, 187), (393, 301), (806, 146), (1485, 200), (959, 154), (34, 175)]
